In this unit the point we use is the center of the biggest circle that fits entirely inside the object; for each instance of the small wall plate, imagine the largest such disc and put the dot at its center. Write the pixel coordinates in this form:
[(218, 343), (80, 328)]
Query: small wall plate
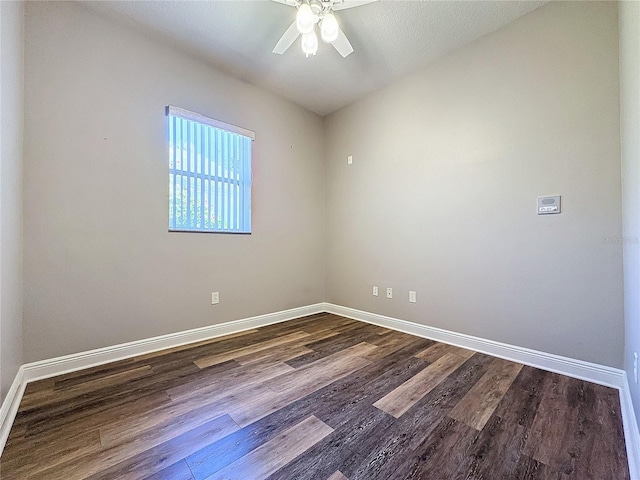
[(549, 205)]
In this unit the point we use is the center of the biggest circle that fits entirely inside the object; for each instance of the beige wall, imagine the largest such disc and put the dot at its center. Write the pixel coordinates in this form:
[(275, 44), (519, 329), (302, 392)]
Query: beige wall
[(447, 165), (440, 199), (11, 124), (629, 24), (100, 266)]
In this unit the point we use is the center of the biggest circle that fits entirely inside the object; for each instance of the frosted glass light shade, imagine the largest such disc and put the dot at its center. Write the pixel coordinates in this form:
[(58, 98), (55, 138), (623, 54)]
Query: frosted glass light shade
[(310, 43), (304, 19), (329, 28)]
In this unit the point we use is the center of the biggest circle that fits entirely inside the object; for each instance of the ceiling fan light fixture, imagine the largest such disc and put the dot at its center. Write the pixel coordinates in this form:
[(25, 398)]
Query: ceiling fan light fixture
[(304, 19), (310, 12), (310, 43), (329, 28)]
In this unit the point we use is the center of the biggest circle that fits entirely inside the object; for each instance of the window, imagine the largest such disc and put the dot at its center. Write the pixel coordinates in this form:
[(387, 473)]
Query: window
[(209, 174)]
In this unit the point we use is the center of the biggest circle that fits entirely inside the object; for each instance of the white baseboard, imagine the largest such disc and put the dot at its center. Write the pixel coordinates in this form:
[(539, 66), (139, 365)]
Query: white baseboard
[(31, 372), (611, 377), (10, 406), (631, 433), (591, 372), (79, 361), (600, 374)]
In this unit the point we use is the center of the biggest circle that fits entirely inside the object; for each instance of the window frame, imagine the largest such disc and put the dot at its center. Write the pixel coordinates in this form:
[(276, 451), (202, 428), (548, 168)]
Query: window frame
[(244, 180)]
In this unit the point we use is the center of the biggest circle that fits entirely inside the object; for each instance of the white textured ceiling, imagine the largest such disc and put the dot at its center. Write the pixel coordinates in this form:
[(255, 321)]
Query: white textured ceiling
[(390, 39)]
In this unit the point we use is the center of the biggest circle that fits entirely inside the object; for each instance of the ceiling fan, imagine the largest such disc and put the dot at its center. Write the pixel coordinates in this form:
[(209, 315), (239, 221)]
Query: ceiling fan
[(310, 13)]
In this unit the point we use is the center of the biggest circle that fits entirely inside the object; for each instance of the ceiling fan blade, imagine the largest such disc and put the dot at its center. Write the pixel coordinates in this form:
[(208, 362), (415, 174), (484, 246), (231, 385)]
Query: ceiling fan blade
[(342, 44), (287, 39), (350, 4)]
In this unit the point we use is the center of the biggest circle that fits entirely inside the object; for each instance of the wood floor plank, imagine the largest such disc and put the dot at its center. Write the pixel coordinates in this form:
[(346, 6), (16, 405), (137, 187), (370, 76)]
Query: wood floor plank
[(406, 395), (191, 346), (274, 355), (214, 399), (353, 415), (276, 453), (473, 370), (564, 427), (97, 463), (388, 343), (337, 476), (530, 469), (328, 325), (437, 350), (496, 452), (547, 430), (479, 403), (44, 384), (218, 345), (384, 458), (361, 424), (347, 337), (219, 454), (325, 370), (177, 471), (604, 451), (227, 382), (64, 395), (75, 378), (334, 453), (41, 437), (223, 357), (287, 351), (367, 385), (608, 454), (256, 403), (316, 321), (24, 461), (439, 456), (85, 406), (166, 454), (520, 404), (162, 424), (456, 414), (252, 404), (17, 434)]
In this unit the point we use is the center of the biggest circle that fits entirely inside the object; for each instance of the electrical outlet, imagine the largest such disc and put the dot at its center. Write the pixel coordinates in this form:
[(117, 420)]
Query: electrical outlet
[(349, 160), (389, 292), (375, 291), (635, 366), (412, 296), (215, 298)]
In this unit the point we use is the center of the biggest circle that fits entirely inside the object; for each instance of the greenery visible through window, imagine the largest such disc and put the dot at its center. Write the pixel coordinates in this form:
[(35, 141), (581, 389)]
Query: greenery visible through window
[(209, 174)]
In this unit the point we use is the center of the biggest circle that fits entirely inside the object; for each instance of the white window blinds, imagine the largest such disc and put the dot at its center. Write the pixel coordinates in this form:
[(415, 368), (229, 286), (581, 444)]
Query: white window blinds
[(209, 174)]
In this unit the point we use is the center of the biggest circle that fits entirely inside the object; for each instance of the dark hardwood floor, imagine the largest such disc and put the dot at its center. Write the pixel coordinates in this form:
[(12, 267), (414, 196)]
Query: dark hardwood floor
[(321, 397)]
